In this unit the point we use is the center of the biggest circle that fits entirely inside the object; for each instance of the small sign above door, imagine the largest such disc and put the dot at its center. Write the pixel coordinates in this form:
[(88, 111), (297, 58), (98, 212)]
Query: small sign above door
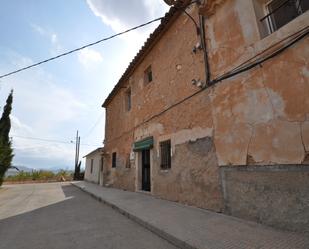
[(132, 155)]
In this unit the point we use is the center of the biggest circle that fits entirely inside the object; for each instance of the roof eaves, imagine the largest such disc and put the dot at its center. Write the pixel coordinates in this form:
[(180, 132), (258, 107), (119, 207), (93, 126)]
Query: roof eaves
[(95, 151), (167, 20)]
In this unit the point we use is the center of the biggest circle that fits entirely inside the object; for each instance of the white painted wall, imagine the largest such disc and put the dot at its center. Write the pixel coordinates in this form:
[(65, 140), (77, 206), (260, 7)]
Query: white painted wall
[(94, 176)]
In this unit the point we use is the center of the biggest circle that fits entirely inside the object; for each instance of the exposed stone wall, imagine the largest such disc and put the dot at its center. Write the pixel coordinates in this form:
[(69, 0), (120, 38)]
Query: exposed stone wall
[(193, 178), (260, 118), (273, 195), (123, 176), (186, 129), (257, 118)]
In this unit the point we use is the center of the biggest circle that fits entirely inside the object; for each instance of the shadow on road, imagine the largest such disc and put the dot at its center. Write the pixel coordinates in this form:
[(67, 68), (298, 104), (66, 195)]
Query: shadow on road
[(79, 221)]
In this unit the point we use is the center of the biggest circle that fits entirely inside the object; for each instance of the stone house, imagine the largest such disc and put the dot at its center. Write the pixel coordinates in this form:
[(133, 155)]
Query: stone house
[(94, 166), (214, 112)]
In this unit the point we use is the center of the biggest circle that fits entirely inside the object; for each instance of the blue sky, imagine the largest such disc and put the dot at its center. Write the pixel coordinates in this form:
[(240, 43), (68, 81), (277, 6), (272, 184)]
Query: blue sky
[(52, 101)]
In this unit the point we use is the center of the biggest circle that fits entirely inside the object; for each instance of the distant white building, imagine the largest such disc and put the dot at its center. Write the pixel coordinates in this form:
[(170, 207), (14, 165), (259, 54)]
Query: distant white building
[(94, 166)]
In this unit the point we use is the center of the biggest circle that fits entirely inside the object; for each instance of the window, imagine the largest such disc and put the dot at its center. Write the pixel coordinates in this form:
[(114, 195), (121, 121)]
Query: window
[(114, 158), (165, 152), (148, 75), (101, 164), (91, 166), (281, 12), (128, 99)]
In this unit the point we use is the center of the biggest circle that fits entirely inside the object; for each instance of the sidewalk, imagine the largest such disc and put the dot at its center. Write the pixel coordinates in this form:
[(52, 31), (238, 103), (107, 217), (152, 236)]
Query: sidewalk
[(189, 227)]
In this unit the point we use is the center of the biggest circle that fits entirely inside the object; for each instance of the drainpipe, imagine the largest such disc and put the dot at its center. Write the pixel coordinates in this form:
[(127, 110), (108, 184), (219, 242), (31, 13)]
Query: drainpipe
[(204, 48), (200, 29)]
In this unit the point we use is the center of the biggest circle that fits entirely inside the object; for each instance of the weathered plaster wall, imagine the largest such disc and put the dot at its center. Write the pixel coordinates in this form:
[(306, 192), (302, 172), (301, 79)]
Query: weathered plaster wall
[(172, 75), (193, 178), (194, 175), (123, 176), (259, 117)]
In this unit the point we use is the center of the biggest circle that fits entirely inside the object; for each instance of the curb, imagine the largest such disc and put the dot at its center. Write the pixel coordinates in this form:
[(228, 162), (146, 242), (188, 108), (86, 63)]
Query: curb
[(164, 235)]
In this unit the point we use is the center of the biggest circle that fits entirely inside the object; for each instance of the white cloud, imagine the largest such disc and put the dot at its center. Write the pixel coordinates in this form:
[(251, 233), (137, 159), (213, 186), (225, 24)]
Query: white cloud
[(42, 108), (54, 38), (89, 57), (19, 128), (36, 154), (56, 47), (123, 14), (45, 107), (50, 103), (38, 29)]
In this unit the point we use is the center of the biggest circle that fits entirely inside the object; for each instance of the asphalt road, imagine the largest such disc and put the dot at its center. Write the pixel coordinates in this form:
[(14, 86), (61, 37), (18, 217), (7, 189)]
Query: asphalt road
[(54, 215)]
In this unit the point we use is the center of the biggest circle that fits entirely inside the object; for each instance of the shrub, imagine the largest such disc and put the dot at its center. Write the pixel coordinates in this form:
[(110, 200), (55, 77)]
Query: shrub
[(41, 175)]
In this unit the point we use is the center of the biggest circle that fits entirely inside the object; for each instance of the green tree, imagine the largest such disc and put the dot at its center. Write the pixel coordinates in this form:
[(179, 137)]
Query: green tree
[(6, 151)]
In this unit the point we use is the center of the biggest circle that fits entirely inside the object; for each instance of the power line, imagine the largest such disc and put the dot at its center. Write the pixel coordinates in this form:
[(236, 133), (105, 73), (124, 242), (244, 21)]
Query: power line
[(52, 140), (93, 127), (80, 48), (43, 139)]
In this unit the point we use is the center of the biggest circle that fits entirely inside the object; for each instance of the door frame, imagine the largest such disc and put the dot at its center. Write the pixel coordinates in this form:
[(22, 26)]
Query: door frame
[(101, 168), (146, 171), (138, 167)]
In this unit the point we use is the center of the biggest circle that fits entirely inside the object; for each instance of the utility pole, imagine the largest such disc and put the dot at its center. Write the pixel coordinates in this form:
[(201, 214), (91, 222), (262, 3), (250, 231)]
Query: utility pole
[(77, 168), (78, 162)]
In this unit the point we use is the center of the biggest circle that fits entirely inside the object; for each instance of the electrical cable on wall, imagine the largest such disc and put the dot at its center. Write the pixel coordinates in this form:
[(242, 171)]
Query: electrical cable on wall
[(270, 47), (259, 61), (300, 35)]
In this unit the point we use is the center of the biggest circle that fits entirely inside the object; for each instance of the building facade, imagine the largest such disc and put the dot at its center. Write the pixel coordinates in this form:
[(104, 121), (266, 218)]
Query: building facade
[(94, 166), (224, 128)]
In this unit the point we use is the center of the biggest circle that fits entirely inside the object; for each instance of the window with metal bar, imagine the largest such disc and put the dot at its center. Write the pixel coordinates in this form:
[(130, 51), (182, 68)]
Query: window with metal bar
[(114, 159), (281, 12), (165, 152)]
